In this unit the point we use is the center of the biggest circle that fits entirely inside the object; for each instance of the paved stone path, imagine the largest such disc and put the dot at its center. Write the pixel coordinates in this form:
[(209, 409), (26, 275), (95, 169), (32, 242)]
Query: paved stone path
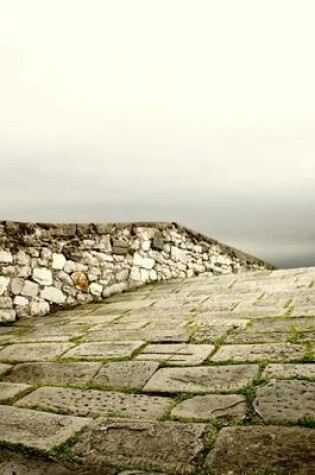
[(204, 376)]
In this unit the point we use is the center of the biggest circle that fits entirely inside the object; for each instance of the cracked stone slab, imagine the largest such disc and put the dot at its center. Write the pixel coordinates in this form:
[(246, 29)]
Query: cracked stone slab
[(202, 379), (225, 407), (21, 464), (176, 354), (285, 401), (53, 373), (95, 403), (4, 368), (257, 352), (289, 371), (33, 351), (122, 374), (124, 444), (259, 449), (9, 390), (37, 430), (104, 350)]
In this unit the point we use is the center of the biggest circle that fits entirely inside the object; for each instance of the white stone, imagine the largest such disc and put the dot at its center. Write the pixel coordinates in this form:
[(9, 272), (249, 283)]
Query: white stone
[(16, 285), (135, 274), (7, 316), (70, 267), (23, 259), (24, 272), (30, 289), (6, 257), (6, 302), (144, 275), (178, 254), (53, 295), (39, 307), (95, 289), (4, 283), (153, 275), (102, 257), (42, 276), (58, 261), (144, 262), (145, 246), (21, 301)]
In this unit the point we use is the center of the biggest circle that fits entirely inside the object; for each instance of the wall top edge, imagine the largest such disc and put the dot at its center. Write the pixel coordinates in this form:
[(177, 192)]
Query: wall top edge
[(19, 228)]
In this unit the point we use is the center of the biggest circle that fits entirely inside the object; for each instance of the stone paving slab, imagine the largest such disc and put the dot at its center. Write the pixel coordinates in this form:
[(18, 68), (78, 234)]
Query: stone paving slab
[(282, 324), (285, 402), (10, 390), (103, 350), (12, 463), (259, 450), (126, 374), (202, 379), (53, 373), (289, 371), (250, 337), (259, 352), (33, 352), (95, 403), (124, 444), (176, 354), (37, 430), (230, 408), (4, 368)]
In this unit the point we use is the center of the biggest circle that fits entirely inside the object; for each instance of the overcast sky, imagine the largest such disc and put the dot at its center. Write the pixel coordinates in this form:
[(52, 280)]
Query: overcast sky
[(201, 112)]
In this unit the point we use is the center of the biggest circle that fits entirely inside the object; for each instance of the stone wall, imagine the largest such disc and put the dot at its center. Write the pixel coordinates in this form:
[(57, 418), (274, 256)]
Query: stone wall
[(44, 266)]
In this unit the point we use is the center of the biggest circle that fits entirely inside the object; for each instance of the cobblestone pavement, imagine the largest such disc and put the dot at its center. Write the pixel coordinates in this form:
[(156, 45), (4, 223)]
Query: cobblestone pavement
[(209, 375)]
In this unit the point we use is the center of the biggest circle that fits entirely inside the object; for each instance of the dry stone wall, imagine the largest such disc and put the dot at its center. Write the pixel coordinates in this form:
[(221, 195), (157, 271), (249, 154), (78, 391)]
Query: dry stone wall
[(44, 267)]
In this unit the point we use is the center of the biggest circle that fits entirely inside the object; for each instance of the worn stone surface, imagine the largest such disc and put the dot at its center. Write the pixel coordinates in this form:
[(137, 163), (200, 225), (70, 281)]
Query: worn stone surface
[(124, 374), (4, 368), (94, 403), (53, 373), (287, 371), (202, 379), (226, 407), (257, 352), (168, 446), (33, 352), (263, 450), (10, 390), (285, 402), (12, 463), (37, 430), (198, 324), (176, 354), (103, 350)]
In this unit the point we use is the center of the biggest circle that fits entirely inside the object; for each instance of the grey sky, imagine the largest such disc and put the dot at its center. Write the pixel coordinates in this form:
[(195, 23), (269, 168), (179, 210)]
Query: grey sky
[(201, 112)]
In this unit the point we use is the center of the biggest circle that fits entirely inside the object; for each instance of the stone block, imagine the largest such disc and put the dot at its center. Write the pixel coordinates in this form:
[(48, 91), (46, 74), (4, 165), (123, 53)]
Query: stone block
[(6, 257), (120, 247), (33, 352), (168, 446), (259, 449), (285, 402), (30, 289), (10, 390), (257, 352), (290, 371), (178, 354), (96, 403), (4, 284), (52, 373), (202, 379), (37, 430), (103, 350), (58, 261), (126, 374), (228, 408), (42, 276), (53, 295)]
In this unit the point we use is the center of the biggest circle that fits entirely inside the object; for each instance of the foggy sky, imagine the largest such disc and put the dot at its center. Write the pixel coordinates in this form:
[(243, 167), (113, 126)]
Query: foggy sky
[(195, 111)]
